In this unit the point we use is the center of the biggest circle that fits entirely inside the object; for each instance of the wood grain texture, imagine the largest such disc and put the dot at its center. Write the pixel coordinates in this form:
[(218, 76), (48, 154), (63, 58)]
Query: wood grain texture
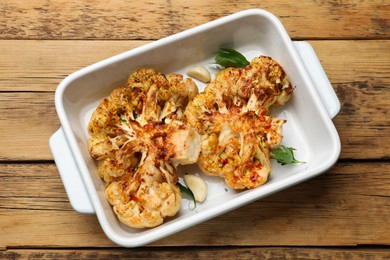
[(342, 214), (194, 253), (115, 19), (27, 121), (347, 206), (360, 74), (358, 70), (37, 65)]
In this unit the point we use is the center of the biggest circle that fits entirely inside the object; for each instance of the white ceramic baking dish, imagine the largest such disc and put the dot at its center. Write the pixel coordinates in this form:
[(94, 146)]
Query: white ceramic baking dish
[(309, 127)]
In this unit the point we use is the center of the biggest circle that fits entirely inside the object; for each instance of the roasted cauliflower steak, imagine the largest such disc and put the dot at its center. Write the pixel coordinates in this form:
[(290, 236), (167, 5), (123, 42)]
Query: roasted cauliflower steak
[(142, 131), (139, 135), (231, 115)]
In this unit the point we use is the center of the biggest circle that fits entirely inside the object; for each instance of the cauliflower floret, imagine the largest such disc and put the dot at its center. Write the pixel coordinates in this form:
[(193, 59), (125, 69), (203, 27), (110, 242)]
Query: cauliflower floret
[(231, 115), (139, 135), (149, 195), (159, 98)]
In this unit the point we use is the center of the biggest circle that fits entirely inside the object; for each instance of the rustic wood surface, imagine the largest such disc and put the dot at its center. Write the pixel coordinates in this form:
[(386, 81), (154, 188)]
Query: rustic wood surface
[(342, 214)]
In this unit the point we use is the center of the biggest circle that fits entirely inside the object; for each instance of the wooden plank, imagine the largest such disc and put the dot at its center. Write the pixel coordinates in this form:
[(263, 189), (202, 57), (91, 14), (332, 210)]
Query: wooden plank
[(200, 253), (115, 19), (23, 188), (347, 206), (27, 121), (359, 72), (42, 65)]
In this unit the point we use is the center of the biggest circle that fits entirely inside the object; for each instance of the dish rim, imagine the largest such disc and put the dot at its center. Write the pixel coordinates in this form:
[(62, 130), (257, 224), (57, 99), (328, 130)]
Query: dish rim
[(191, 220)]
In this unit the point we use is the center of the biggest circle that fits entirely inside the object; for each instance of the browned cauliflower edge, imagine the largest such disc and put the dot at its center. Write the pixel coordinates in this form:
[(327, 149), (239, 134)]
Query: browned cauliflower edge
[(139, 135), (231, 115)]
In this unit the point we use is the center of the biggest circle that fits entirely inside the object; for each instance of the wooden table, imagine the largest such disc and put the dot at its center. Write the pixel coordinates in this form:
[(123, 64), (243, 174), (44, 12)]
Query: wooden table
[(344, 213)]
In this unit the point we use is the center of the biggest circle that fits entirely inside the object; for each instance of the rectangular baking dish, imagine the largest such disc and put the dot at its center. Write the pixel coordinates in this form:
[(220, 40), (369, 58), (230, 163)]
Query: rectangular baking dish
[(309, 114)]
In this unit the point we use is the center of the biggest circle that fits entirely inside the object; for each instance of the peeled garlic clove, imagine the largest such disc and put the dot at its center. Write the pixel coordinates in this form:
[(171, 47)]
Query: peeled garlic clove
[(197, 185), (200, 73)]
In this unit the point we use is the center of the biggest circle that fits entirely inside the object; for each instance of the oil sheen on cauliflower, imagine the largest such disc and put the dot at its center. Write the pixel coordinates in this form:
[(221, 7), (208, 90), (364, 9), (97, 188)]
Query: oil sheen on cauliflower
[(237, 134), (139, 135)]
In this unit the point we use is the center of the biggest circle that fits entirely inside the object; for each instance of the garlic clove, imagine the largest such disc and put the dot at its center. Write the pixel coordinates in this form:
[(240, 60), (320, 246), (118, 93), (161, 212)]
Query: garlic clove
[(197, 185), (200, 73)]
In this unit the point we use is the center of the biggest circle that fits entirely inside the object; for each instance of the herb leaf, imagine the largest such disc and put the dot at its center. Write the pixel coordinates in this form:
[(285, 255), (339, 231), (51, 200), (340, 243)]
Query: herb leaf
[(231, 58), (186, 191), (284, 155)]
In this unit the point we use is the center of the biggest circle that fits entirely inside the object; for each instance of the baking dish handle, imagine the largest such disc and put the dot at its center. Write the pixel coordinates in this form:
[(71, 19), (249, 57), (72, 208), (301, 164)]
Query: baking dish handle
[(318, 77), (70, 174)]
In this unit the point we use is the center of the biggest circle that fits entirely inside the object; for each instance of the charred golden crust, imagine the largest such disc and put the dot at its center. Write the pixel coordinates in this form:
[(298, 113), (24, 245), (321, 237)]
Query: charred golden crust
[(138, 135), (232, 117)]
